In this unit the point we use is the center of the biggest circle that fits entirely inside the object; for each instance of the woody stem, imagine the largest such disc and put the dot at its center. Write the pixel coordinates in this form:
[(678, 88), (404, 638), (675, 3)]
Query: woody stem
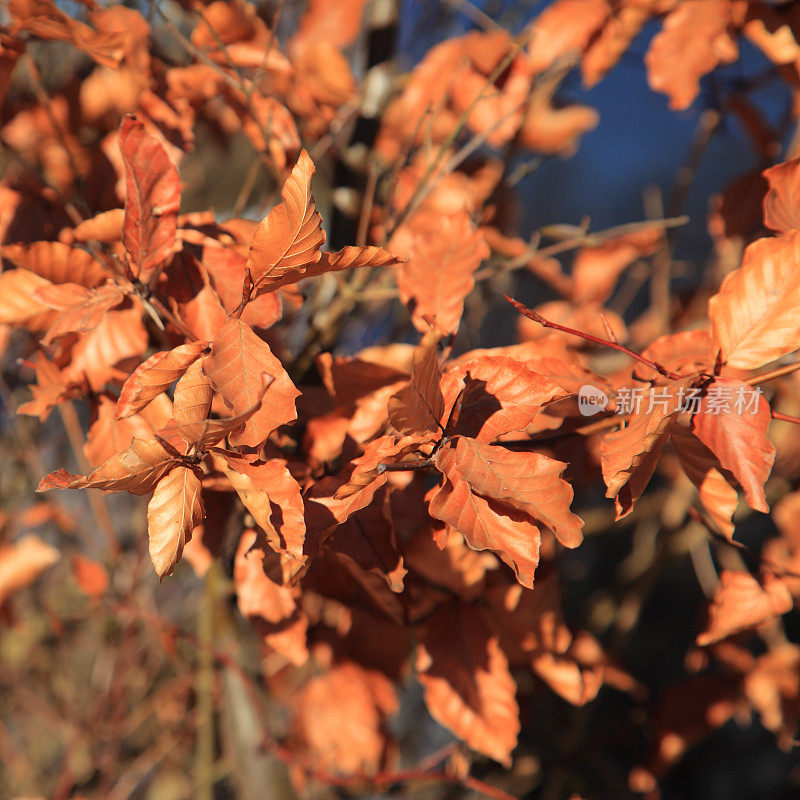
[(545, 323)]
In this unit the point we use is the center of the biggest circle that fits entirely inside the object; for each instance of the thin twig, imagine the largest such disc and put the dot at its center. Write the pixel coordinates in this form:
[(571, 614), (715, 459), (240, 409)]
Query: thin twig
[(536, 317)]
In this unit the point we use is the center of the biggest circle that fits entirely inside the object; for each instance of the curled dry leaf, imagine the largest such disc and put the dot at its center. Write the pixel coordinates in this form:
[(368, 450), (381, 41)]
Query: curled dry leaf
[(696, 37), (136, 469), (174, 511), (193, 394), (152, 199), (81, 309), (289, 238), (782, 200), (155, 376), (741, 602)]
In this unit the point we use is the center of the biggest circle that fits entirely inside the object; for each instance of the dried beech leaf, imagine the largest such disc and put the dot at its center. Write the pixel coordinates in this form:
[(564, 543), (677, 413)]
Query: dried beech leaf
[(81, 309), (152, 199), (21, 563), (438, 275), (174, 511), (58, 262), (754, 315), (529, 482), (136, 469), (191, 402), (487, 524), (289, 238), (741, 602), (238, 361), (155, 376), (468, 687), (269, 605), (738, 438), (18, 301), (782, 201), (418, 408)]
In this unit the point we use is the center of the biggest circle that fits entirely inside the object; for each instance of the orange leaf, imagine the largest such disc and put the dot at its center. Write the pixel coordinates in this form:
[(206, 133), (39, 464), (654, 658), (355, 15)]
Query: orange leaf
[(57, 262), (288, 240), (136, 469), (21, 563), (105, 227), (205, 433), (174, 511), (737, 436), (91, 576), (418, 407), (236, 366), (468, 687), (754, 315), (500, 395), (340, 719), (272, 496), (155, 376), (438, 275), (783, 198), (152, 199), (625, 449), (695, 38), (716, 486), (81, 309), (269, 605), (118, 336), (529, 482), (18, 302), (741, 602), (337, 23), (487, 524), (193, 394)]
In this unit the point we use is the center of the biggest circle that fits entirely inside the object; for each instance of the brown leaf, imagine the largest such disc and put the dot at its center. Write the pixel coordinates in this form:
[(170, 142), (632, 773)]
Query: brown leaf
[(754, 315), (193, 394), (596, 269), (105, 227), (44, 20), (136, 469), (238, 361), (696, 37), (118, 336), (715, 485), (500, 395), (269, 605), (289, 238), (21, 563), (468, 688), (155, 376), (487, 524), (174, 511), (152, 199), (340, 718), (782, 201), (418, 407), (18, 302), (741, 602), (737, 435), (438, 275), (272, 496), (81, 309), (58, 262), (623, 450), (529, 482)]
